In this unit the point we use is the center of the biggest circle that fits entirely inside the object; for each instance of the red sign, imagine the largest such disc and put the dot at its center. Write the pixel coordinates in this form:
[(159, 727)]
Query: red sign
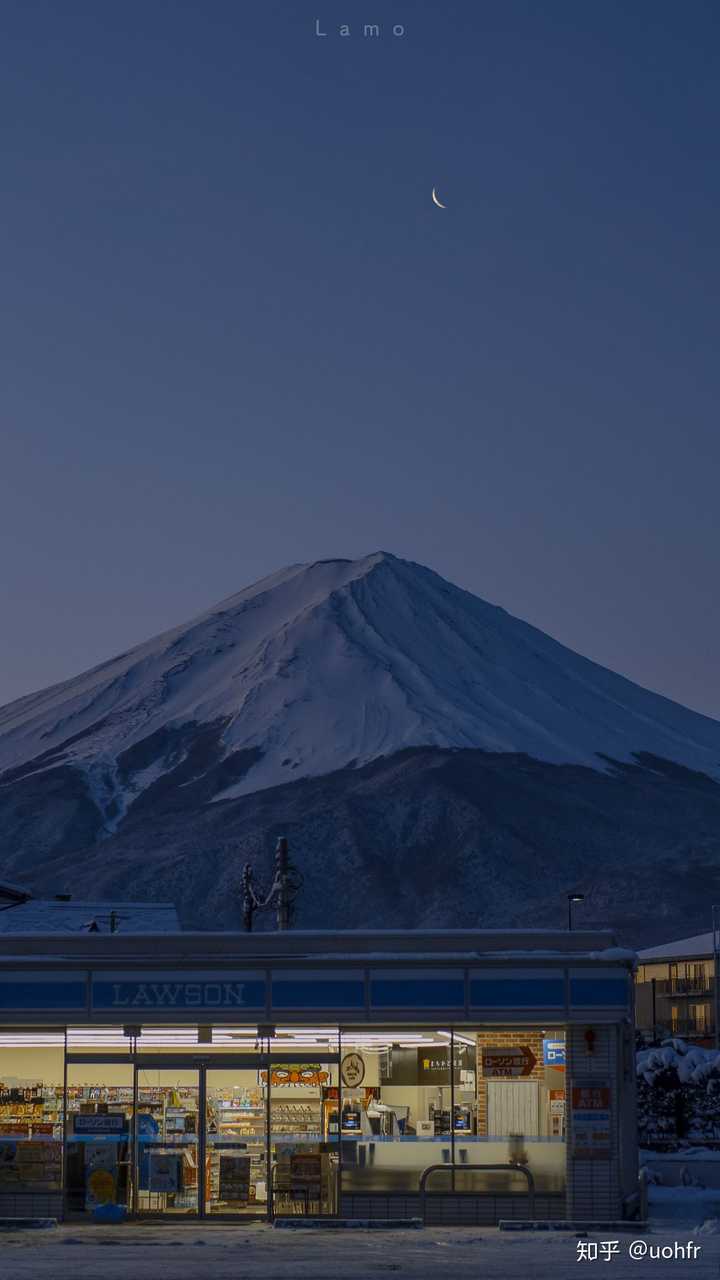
[(590, 1098), (498, 1061), (591, 1127)]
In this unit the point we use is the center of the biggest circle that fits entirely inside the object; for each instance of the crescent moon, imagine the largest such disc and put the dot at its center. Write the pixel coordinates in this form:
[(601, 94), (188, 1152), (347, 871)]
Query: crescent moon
[(436, 201)]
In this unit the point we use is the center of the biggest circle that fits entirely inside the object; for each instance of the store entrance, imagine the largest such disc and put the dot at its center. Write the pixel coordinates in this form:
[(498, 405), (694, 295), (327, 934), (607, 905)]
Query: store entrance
[(169, 1135), (236, 1146), (201, 1136), (167, 1140)]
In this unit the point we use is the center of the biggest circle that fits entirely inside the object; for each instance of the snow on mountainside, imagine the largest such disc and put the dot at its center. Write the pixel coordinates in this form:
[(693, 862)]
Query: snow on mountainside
[(331, 664)]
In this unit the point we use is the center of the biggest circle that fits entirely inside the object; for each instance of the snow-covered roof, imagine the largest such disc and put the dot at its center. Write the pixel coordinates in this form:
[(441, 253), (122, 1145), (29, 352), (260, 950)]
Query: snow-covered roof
[(448, 946), (701, 944), (54, 916), (13, 892)]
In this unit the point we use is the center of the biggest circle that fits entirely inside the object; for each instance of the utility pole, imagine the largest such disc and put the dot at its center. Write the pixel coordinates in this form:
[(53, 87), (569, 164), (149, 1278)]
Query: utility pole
[(286, 885), (282, 865), (248, 898)]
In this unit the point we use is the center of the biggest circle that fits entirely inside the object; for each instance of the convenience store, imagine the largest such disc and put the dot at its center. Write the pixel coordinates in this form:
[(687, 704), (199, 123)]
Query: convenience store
[(367, 1074)]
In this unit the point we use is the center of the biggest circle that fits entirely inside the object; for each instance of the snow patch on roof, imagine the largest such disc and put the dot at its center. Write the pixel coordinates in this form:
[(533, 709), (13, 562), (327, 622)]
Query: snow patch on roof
[(701, 944), (50, 916)]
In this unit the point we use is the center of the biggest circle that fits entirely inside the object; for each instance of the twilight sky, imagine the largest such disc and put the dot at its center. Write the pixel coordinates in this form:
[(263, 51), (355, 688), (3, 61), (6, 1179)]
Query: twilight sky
[(236, 333)]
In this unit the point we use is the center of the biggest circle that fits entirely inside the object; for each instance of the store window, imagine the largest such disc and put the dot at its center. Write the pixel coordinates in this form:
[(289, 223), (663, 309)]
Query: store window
[(397, 1100), (304, 1121), (31, 1122), (413, 1099), (519, 1108), (98, 1147)]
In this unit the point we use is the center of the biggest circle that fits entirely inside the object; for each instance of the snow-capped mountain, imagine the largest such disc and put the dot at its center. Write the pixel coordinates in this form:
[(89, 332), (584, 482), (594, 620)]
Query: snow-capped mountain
[(339, 662), (391, 724)]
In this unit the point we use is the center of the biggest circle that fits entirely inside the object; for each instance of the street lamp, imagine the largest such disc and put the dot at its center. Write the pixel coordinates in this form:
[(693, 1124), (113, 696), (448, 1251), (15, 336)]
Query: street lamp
[(573, 897)]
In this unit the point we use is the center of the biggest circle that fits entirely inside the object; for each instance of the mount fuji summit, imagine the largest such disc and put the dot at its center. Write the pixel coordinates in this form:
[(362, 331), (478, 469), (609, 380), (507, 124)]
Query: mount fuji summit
[(432, 759)]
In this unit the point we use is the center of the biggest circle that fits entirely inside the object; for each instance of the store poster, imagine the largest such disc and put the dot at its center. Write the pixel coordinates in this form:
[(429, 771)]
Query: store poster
[(591, 1132), (235, 1178), (101, 1174), (164, 1172), (306, 1168)]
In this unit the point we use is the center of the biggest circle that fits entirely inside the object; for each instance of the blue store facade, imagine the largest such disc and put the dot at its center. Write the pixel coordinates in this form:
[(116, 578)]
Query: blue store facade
[(369, 1075)]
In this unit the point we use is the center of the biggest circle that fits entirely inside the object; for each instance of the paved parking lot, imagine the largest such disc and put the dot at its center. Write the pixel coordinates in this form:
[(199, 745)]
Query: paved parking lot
[(185, 1252)]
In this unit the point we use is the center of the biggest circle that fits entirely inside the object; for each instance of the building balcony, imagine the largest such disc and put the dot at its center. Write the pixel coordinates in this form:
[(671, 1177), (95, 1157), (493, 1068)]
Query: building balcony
[(672, 987), (691, 1028)]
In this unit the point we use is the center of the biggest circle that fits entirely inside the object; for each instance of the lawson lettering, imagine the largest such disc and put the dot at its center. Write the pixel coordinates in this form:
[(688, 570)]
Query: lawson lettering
[(201, 993), (157, 995)]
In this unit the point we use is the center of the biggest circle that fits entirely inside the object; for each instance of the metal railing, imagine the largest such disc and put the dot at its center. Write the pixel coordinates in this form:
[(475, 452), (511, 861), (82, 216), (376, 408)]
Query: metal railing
[(643, 1195), (702, 985), (475, 1168)]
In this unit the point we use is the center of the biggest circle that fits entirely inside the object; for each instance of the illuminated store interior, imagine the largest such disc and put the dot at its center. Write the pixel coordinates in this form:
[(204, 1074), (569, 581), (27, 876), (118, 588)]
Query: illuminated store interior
[(257, 1120)]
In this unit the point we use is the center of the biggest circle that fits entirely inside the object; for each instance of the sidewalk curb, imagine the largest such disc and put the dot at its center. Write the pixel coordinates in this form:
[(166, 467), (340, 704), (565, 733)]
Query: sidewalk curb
[(349, 1224), (517, 1224), (28, 1224)]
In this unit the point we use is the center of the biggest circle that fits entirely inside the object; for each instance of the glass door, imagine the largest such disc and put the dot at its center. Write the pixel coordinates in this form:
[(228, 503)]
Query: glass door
[(236, 1180), (98, 1139), (167, 1129)]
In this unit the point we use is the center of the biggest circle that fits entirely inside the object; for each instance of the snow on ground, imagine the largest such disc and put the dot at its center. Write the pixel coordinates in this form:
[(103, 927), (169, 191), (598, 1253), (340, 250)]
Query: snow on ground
[(344, 661), (695, 1152), (683, 1204), (180, 1251)]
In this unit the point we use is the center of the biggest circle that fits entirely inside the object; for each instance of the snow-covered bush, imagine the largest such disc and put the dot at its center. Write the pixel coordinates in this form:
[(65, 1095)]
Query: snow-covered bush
[(678, 1093), (693, 1064)]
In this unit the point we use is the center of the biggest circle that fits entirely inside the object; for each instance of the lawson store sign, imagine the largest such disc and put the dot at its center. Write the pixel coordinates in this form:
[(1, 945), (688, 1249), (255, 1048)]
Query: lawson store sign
[(368, 993), (280, 990), (168, 991)]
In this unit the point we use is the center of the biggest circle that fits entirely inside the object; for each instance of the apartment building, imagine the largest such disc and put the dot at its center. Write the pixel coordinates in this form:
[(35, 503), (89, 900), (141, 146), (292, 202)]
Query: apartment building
[(675, 994)]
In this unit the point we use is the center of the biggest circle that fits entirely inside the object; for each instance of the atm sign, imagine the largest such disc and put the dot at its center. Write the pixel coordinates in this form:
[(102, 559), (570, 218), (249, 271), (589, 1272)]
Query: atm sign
[(554, 1054)]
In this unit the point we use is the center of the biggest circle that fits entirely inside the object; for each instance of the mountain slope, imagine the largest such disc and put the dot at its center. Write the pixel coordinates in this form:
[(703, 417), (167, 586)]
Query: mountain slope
[(424, 838), (333, 663), (433, 760)]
